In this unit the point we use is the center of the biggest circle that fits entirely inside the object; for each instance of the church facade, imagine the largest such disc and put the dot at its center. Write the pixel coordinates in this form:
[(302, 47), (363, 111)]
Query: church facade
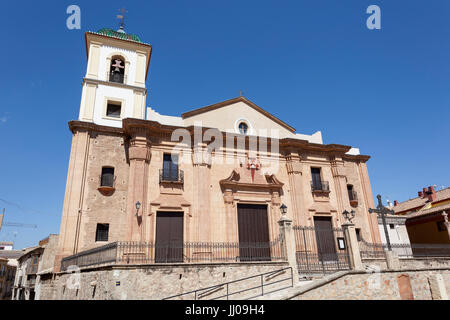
[(215, 174)]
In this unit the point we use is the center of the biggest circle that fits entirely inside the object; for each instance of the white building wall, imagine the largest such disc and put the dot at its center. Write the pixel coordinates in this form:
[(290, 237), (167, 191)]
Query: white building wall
[(103, 93), (130, 56)]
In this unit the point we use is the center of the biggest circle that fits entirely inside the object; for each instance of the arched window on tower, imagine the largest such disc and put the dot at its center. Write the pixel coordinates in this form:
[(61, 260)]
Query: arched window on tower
[(117, 69)]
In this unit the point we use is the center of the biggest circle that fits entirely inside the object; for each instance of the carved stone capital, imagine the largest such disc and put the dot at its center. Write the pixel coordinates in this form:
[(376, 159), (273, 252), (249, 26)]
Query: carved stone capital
[(228, 196), (139, 149), (293, 164)]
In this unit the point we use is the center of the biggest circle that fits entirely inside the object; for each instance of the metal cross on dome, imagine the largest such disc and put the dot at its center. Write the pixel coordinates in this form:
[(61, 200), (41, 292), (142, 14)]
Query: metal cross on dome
[(122, 18), (383, 211)]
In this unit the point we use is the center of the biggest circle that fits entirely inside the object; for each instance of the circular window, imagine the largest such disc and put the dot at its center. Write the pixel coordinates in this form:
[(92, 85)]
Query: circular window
[(243, 128)]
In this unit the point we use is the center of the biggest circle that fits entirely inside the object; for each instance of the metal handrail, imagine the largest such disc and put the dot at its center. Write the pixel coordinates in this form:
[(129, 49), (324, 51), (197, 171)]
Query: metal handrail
[(227, 286)]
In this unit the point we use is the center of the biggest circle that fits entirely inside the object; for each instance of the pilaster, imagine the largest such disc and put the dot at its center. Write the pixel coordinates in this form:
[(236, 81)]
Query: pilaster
[(202, 202), (139, 151), (294, 170)]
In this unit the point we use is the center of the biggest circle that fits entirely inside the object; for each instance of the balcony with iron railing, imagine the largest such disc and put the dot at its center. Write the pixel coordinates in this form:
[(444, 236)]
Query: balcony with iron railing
[(107, 184), (353, 198), (320, 186), (171, 175)]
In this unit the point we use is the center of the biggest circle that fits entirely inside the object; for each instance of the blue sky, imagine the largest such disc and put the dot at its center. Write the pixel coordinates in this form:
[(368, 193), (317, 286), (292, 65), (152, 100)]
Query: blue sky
[(313, 64)]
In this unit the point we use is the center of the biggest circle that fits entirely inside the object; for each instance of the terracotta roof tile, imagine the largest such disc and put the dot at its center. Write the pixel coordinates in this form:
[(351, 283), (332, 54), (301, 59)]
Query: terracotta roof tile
[(420, 202)]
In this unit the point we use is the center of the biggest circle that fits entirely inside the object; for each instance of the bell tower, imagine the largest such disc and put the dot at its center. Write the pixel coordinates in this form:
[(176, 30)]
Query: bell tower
[(114, 84)]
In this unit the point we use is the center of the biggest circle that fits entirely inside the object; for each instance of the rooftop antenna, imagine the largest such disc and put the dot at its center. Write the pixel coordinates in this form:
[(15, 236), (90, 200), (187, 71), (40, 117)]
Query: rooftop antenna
[(241, 93), (121, 16)]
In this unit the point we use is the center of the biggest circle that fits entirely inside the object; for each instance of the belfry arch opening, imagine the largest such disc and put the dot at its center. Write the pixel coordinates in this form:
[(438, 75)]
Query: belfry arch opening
[(117, 69)]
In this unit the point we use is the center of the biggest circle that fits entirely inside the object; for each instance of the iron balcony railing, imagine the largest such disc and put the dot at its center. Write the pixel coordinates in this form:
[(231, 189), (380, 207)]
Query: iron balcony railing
[(176, 252), (169, 175), (321, 186), (107, 180)]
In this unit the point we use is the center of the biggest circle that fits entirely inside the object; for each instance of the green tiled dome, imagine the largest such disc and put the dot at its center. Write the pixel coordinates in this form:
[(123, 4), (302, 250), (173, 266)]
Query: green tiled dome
[(125, 36)]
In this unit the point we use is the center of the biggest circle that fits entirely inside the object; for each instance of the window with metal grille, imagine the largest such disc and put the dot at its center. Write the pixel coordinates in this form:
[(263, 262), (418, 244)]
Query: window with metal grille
[(351, 194), (316, 179), (170, 167), (107, 179), (113, 109), (243, 128), (102, 232)]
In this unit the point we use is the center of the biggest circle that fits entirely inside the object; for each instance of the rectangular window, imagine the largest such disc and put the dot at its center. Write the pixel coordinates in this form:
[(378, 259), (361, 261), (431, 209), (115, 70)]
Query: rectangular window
[(316, 179), (358, 234), (170, 167), (392, 226), (351, 194), (107, 179), (102, 232), (113, 109)]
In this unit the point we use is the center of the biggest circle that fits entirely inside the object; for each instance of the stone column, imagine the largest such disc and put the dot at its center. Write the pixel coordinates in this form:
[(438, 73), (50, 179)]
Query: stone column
[(352, 246), (288, 244), (139, 155)]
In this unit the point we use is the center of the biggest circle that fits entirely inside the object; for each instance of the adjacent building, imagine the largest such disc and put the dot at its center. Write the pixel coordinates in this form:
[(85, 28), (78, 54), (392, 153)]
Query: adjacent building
[(214, 174), (7, 274), (6, 245), (427, 216), (35, 263), (8, 262)]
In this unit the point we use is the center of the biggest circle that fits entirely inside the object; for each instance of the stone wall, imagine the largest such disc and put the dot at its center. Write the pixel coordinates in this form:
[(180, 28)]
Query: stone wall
[(157, 282), (408, 263), (396, 285)]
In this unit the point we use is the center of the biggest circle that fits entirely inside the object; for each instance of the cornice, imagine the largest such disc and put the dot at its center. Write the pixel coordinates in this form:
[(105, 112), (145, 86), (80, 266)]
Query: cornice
[(360, 157), (131, 126), (90, 37), (76, 125), (114, 84)]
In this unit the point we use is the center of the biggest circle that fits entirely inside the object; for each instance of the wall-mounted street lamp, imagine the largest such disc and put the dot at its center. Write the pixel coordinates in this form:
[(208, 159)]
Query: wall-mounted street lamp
[(349, 215), (283, 209), (138, 206)]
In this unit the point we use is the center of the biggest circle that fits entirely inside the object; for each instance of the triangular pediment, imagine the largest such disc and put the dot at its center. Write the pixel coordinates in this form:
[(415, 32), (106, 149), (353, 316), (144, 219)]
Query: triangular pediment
[(228, 114)]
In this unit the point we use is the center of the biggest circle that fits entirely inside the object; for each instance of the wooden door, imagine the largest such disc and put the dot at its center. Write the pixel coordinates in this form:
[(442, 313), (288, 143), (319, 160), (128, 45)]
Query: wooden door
[(169, 237), (253, 227), (326, 245)]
